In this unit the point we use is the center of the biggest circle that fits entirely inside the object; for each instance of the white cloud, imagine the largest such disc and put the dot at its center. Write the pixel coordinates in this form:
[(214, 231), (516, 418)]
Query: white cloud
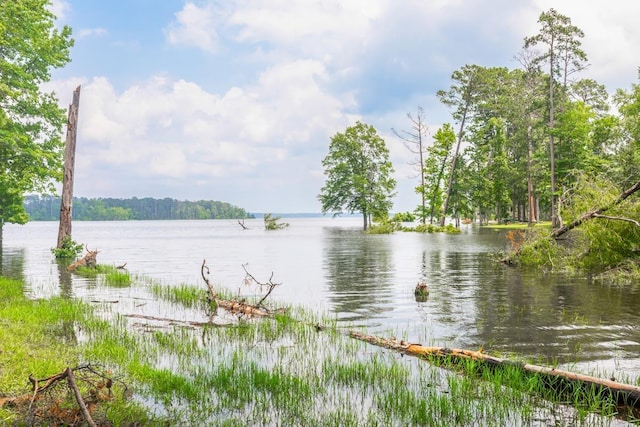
[(194, 26), (283, 76), (59, 8)]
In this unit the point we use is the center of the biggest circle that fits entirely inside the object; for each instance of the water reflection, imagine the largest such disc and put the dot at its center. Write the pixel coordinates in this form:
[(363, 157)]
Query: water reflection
[(358, 273), (12, 262)]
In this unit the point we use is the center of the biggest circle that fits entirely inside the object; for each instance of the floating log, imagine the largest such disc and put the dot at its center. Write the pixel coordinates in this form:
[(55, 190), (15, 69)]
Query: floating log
[(625, 395)]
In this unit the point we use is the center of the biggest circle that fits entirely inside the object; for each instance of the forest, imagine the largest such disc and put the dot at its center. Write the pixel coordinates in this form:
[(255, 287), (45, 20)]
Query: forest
[(47, 208), (526, 139)]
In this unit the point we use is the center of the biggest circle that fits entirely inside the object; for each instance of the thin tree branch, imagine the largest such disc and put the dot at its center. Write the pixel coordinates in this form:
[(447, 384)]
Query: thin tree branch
[(617, 218)]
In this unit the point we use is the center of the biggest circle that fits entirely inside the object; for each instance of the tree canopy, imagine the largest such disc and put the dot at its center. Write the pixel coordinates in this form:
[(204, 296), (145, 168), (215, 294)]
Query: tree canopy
[(358, 172), (31, 149)]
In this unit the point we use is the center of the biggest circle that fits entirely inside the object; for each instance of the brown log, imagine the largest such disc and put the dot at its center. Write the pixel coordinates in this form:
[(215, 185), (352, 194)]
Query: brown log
[(165, 319), (232, 305), (624, 394)]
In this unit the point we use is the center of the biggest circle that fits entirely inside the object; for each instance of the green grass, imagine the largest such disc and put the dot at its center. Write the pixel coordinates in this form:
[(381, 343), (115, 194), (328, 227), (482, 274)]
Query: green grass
[(40, 337), (518, 225), (272, 371)]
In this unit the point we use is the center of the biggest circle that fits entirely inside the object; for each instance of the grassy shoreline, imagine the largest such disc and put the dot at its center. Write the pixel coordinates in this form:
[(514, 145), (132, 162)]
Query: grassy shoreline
[(275, 371)]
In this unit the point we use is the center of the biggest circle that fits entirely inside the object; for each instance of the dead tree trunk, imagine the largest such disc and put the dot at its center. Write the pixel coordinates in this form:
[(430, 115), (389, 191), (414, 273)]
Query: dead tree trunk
[(69, 164)]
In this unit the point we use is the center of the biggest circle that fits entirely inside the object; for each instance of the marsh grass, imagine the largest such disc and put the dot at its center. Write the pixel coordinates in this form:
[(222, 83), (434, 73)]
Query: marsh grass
[(40, 337), (295, 368), (110, 275), (183, 294)]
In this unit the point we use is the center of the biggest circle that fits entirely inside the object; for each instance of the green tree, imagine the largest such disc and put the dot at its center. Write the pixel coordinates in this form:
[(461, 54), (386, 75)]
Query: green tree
[(462, 97), (564, 57), (435, 165), (358, 173), (31, 149)]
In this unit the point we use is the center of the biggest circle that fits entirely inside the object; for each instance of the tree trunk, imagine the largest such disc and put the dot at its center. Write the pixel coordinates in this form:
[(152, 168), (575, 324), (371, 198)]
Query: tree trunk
[(66, 203), (364, 217), (624, 394), (455, 159)]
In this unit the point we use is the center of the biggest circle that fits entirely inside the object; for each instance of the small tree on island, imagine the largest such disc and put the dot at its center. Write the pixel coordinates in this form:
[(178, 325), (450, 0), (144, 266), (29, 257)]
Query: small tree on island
[(272, 222), (358, 173)]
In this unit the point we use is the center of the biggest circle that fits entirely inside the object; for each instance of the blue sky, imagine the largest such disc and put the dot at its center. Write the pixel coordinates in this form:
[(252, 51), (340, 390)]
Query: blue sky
[(237, 100)]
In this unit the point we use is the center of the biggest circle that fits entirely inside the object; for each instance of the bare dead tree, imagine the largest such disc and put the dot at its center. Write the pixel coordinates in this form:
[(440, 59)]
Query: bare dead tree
[(415, 140)]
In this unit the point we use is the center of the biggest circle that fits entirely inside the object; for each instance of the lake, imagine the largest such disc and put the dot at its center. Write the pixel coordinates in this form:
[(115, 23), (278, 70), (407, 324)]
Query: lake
[(329, 265)]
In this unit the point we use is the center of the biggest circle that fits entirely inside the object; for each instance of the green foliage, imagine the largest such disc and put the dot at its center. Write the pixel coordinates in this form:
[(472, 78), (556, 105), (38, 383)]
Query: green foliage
[(47, 208), (273, 222), (607, 243), (384, 227), (431, 228), (118, 278), (403, 217), (69, 249), (31, 150), (358, 173)]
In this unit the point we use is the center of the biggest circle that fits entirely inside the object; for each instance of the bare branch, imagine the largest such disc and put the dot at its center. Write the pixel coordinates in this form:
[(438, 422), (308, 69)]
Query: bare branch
[(617, 218)]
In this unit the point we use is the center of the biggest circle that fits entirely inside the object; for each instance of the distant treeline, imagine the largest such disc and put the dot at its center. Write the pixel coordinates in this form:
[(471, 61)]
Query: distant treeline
[(47, 208)]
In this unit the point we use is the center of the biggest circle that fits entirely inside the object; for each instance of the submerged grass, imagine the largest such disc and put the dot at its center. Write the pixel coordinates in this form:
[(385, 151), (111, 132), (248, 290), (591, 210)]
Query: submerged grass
[(40, 338), (111, 275), (284, 370)]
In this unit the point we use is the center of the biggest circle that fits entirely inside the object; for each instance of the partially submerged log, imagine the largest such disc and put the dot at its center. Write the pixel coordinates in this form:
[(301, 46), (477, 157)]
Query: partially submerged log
[(235, 306), (625, 395), (88, 260)]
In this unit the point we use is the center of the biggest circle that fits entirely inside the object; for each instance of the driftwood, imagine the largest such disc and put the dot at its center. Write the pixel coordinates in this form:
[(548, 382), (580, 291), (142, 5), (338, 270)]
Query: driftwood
[(627, 396), (234, 306), (88, 260)]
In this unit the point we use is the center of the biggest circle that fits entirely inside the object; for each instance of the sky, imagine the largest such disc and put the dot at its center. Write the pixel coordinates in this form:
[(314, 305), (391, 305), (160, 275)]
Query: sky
[(237, 101)]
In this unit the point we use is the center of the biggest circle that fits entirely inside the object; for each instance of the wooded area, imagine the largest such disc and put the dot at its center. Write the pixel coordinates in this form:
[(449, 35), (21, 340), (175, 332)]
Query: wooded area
[(46, 208)]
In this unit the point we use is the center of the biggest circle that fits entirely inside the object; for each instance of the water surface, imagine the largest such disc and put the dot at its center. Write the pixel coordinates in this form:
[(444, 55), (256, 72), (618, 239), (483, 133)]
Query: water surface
[(329, 265)]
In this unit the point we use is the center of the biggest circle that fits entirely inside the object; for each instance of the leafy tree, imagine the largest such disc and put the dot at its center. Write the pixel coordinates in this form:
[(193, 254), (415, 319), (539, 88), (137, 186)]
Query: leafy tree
[(564, 57), (358, 173), (30, 120), (628, 156), (461, 96), (435, 165)]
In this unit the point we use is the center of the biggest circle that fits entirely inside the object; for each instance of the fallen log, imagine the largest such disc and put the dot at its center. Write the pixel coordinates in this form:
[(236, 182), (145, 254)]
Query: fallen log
[(234, 306), (625, 395)]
